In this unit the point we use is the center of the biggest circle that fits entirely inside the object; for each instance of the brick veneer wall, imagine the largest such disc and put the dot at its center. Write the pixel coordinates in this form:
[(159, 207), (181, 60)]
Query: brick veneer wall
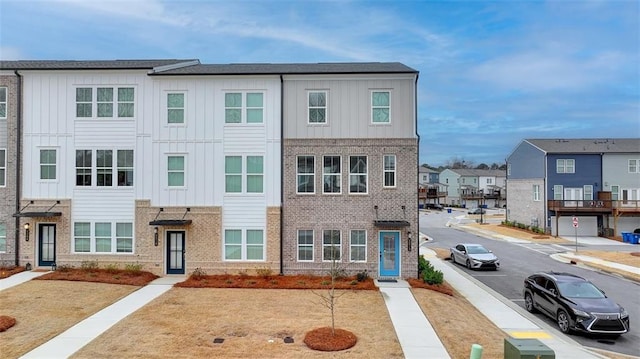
[(520, 204), (8, 192), (351, 211)]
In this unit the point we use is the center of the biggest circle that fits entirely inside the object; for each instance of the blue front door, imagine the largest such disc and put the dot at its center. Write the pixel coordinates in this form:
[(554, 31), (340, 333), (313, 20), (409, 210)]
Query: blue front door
[(389, 254), (46, 245), (175, 252)]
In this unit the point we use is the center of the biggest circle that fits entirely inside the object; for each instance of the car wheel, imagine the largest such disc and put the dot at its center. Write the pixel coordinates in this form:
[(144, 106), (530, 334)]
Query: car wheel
[(453, 258), (563, 321), (528, 303), (468, 264)]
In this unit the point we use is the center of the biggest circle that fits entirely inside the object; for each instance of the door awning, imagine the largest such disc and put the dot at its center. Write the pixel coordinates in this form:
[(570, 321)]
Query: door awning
[(45, 214), (391, 223), (170, 222)]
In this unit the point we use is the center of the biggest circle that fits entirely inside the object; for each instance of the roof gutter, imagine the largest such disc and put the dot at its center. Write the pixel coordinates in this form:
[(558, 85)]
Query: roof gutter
[(415, 114), (18, 166)]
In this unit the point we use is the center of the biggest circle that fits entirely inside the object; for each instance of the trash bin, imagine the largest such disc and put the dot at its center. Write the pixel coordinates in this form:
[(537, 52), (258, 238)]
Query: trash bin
[(527, 349), (448, 210), (634, 238), (625, 237)]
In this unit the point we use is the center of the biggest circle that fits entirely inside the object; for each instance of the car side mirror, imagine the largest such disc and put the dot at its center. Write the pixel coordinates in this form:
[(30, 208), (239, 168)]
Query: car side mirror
[(553, 292)]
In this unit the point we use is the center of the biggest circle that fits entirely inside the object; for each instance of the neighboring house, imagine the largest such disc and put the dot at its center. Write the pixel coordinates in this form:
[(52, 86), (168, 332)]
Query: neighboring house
[(177, 165), (8, 161), (475, 187), (428, 175), (451, 178), (430, 190), (551, 181), (350, 169)]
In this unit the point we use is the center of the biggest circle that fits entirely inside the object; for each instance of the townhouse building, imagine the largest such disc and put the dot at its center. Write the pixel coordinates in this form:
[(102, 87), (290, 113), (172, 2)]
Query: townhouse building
[(9, 109), (176, 165), (475, 187), (552, 181)]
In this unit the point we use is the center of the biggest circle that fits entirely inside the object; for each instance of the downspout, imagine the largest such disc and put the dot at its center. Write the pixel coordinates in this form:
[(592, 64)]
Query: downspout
[(281, 174), (18, 165), (415, 104)]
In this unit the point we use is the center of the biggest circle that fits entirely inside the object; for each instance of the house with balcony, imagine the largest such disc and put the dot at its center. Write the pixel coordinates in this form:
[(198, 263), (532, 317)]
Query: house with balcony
[(178, 165), (475, 187), (430, 190), (552, 181)]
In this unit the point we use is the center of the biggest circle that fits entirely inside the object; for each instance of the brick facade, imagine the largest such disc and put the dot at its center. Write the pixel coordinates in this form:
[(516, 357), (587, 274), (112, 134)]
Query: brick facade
[(8, 192)]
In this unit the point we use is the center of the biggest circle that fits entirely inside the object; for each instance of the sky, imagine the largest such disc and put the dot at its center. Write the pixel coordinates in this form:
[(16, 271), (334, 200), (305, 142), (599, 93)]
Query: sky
[(492, 73)]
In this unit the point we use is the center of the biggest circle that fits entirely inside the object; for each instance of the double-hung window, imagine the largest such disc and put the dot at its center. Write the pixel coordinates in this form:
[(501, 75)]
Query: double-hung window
[(48, 164), (104, 168), (305, 174), (175, 171), (615, 193), (331, 174), (83, 167), (125, 168), (3, 103), (317, 107), (249, 176), (175, 107), (588, 192), (3, 238), (565, 166), (389, 171), (558, 192), (109, 102), (358, 174), (380, 107), (358, 245), (536, 192), (331, 245), (247, 245), (124, 237), (634, 166), (103, 237), (98, 237), (3, 167), (305, 245), (244, 107)]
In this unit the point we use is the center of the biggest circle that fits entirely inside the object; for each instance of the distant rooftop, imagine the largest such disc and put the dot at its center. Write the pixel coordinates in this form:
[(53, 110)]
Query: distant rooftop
[(587, 145), (89, 64)]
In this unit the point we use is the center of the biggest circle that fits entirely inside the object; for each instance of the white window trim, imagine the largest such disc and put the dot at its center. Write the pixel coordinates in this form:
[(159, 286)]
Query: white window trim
[(56, 164), (563, 163), (94, 167), (298, 246), (92, 238), (394, 171), (587, 190), (558, 188), (636, 165), (313, 175), (166, 108), (243, 108), (243, 245), (616, 193), (116, 102), (366, 174), (4, 238), (338, 245), (5, 102), (351, 246), (372, 107), (244, 175), (536, 193), (326, 108), (339, 175), (3, 153), (184, 170)]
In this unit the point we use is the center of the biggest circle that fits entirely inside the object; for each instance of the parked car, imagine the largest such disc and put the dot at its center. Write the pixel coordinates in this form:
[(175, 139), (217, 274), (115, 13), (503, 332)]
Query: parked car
[(474, 256), (574, 303), (436, 206), (477, 211)]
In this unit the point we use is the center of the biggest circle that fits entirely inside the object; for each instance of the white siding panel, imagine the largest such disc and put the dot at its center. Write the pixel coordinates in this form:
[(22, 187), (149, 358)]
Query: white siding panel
[(101, 204), (244, 211), (244, 139), (107, 134)]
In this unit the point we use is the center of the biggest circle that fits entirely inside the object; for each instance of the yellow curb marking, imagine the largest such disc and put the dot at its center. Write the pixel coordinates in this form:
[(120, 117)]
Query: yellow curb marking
[(523, 335)]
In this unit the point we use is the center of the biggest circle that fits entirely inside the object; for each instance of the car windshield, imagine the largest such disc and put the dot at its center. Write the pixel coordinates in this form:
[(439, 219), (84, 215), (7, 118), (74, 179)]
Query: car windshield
[(476, 250), (579, 290)]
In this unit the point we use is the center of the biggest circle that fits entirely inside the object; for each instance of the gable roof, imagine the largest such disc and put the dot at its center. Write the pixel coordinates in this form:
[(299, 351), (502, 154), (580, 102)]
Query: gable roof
[(587, 145), (91, 64)]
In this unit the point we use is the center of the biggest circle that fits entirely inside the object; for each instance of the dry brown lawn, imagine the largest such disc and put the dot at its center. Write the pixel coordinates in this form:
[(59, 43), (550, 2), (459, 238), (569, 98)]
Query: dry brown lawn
[(44, 309)]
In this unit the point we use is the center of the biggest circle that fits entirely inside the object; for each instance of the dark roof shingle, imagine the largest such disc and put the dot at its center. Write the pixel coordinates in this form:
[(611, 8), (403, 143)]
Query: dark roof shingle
[(87, 64)]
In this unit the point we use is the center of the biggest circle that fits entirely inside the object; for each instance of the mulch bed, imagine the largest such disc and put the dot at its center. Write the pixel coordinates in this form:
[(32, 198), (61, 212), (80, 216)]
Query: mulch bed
[(324, 339), (443, 288), (275, 282), (9, 271), (6, 322), (111, 276)]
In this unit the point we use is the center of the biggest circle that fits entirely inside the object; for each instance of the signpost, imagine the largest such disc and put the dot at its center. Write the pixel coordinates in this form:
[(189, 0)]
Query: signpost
[(575, 225)]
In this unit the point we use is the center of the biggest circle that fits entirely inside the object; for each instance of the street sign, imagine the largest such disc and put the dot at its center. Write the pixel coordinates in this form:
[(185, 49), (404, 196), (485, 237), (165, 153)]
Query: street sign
[(575, 222)]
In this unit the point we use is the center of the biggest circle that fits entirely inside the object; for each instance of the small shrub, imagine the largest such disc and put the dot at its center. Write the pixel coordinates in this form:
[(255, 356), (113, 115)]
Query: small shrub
[(430, 275), (273, 282), (64, 268), (337, 273), (362, 276), (325, 282), (264, 272), (88, 266), (252, 282), (354, 282), (198, 273), (111, 268), (423, 264), (228, 281), (133, 268)]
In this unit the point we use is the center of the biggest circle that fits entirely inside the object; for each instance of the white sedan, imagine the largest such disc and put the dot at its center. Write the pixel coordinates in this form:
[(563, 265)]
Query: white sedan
[(474, 256)]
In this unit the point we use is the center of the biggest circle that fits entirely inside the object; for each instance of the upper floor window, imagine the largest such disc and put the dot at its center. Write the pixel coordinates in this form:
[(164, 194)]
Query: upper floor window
[(318, 107), (389, 171), (242, 107), (588, 192), (536, 192), (48, 164), (358, 174), (331, 174), (3, 102), (615, 192), (634, 166), (3, 167), (175, 171), (253, 171), (109, 102), (86, 170), (489, 180), (175, 107), (380, 107), (305, 174), (558, 192), (565, 166)]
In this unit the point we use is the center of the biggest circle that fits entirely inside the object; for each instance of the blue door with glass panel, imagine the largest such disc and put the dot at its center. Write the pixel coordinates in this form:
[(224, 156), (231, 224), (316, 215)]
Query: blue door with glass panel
[(46, 245), (389, 254), (175, 252)]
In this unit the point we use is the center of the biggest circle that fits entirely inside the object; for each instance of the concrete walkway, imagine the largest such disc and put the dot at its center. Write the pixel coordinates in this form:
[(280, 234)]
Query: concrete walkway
[(76, 337), (416, 335), (18, 278)]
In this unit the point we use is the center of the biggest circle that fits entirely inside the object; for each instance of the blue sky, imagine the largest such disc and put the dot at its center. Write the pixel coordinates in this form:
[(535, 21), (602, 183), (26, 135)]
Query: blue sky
[(491, 72)]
